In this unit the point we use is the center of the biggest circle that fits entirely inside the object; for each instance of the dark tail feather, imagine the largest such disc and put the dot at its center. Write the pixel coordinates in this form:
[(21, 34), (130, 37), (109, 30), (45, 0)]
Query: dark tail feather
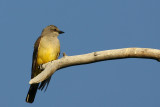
[(32, 93), (44, 83)]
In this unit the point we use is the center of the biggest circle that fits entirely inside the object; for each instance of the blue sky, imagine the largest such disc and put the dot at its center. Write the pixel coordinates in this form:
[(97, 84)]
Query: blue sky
[(89, 26)]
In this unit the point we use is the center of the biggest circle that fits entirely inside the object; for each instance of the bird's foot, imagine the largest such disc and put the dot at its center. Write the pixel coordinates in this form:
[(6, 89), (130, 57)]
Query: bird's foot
[(40, 67)]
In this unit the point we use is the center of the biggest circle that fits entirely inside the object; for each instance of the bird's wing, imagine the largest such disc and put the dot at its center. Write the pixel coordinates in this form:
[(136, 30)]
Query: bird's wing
[(34, 58)]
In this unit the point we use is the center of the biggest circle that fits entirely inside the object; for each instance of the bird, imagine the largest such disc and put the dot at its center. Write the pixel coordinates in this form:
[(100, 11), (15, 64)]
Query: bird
[(46, 49)]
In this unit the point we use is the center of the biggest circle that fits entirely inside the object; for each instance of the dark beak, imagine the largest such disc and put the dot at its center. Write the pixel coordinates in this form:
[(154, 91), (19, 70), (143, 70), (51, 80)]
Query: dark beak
[(60, 32)]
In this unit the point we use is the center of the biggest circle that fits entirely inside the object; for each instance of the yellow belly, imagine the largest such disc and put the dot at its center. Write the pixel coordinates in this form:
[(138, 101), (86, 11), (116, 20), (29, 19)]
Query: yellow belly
[(47, 54)]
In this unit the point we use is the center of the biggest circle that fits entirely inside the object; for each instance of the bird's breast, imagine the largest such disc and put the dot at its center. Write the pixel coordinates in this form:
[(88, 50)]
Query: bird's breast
[(48, 50)]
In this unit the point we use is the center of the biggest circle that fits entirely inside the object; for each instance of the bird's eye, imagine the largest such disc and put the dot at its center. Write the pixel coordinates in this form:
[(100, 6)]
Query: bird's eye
[(53, 30)]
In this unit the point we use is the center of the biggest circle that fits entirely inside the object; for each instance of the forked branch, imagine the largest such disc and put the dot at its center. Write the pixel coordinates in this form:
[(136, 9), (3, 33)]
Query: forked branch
[(66, 61)]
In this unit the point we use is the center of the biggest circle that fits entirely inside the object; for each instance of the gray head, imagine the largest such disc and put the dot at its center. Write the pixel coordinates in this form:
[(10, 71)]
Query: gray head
[(51, 30)]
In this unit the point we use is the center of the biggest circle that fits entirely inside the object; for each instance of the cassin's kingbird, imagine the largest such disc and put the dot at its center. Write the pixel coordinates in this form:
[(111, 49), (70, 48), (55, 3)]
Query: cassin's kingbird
[(46, 49)]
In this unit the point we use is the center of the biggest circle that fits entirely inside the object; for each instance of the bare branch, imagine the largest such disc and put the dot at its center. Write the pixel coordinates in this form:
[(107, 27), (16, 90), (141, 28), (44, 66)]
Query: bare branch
[(66, 61)]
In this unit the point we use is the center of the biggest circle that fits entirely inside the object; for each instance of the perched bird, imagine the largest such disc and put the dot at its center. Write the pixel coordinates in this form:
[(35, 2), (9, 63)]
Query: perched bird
[(46, 49)]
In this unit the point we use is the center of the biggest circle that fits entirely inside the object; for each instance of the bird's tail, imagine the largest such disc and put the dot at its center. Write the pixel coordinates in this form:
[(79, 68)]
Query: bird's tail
[(32, 93)]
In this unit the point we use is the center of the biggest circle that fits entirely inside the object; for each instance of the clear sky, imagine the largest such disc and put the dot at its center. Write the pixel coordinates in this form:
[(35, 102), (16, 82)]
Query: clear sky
[(89, 25)]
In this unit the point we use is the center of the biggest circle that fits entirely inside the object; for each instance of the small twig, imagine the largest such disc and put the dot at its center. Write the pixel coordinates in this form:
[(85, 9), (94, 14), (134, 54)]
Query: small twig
[(64, 54)]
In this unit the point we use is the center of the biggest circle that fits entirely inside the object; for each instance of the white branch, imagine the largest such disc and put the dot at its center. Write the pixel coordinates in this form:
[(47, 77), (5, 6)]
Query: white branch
[(66, 61)]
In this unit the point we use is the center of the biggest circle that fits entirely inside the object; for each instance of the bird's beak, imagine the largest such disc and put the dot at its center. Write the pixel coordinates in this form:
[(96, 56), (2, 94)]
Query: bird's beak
[(60, 32)]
